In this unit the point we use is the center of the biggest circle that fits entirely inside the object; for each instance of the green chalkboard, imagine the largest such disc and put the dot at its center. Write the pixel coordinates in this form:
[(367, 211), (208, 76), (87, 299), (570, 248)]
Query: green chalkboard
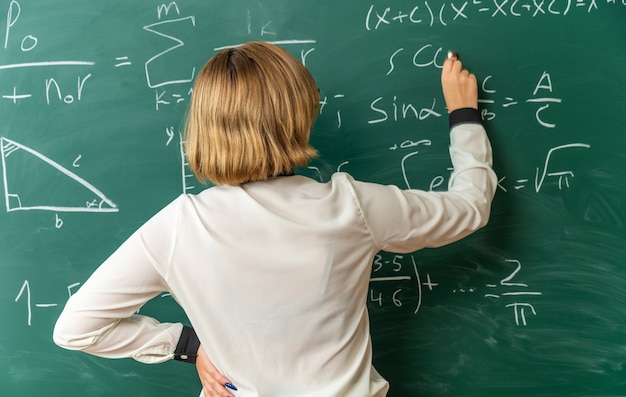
[(92, 96)]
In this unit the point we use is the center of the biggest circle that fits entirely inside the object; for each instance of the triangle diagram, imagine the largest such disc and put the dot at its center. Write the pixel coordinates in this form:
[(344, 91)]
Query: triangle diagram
[(33, 181)]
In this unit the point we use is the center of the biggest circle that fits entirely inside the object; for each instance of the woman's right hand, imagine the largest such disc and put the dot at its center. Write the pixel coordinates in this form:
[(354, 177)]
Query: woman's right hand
[(460, 89)]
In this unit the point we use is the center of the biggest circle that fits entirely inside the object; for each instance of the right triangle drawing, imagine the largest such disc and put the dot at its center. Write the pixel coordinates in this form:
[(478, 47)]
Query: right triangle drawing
[(50, 186)]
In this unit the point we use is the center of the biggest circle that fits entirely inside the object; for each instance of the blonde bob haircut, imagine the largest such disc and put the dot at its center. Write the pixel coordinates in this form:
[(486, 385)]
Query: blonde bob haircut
[(250, 115)]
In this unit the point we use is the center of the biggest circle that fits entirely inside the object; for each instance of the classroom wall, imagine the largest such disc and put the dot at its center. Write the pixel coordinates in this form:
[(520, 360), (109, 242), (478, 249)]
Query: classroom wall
[(92, 98)]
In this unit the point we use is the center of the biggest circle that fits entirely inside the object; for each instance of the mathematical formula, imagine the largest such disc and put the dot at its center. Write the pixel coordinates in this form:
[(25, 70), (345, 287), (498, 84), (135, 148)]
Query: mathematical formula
[(443, 13), (545, 172), (396, 282)]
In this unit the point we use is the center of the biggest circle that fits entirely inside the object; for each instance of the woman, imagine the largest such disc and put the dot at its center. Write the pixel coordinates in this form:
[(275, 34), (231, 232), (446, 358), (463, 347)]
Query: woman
[(272, 268)]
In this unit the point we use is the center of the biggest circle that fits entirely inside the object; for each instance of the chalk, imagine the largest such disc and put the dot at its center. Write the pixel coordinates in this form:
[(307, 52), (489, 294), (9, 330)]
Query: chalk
[(452, 55)]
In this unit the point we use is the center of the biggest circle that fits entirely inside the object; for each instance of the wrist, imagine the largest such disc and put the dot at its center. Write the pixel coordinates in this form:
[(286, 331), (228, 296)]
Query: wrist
[(464, 115), (187, 347)]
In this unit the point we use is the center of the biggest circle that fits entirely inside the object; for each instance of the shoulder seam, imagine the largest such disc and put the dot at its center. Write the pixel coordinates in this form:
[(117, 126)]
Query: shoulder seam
[(353, 194)]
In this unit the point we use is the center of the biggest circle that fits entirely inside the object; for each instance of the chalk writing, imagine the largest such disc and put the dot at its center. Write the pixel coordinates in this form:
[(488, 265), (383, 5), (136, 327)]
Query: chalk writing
[(25, 289), (263, 28), (169, 131), (187, 176), (148, 65), (158, 68), (442, 13), (51, 87), (562, 175), (402, 287), (520, 309), (96, 201), (404, 280), (543, 86), (324, 101), (423, 57), (397, 283), (122, 61), (391, 110), (46, 63), (28, 42), (409, 144), (277, 42), (15, 96)]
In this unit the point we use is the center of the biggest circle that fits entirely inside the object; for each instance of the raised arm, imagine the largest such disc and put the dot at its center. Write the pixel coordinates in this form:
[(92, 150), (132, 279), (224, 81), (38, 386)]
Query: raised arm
[(408, 220)]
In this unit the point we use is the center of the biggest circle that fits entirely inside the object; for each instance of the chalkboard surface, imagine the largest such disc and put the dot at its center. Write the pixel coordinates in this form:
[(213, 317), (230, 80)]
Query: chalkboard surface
[(92, 96)]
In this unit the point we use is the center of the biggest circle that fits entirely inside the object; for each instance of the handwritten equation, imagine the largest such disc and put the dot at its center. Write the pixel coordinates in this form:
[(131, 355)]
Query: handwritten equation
[(51, 89), (392, 109), (156, 67), (396, 282), (405, 278), (428, 55), (550, 171), (515, 290), (443, 13)]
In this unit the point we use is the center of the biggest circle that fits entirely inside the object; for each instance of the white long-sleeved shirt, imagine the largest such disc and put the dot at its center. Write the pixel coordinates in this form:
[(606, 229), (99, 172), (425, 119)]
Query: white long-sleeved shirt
[(274, 275)]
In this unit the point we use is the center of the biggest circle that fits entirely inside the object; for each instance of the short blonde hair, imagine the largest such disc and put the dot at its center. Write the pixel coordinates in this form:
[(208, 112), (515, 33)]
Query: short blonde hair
[(250, 116)]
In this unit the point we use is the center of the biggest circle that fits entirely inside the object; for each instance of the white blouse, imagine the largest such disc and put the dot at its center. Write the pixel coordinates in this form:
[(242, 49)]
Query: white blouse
[(274, 275)]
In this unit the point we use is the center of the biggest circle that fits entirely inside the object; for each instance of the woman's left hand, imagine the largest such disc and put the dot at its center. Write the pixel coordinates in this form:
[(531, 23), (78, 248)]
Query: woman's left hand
[(213, 382)]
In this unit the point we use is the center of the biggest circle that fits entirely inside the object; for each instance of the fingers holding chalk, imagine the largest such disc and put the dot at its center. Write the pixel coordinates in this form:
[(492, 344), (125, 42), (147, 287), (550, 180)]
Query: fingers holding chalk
[(459, 85), (450, 61), (453, 55)]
